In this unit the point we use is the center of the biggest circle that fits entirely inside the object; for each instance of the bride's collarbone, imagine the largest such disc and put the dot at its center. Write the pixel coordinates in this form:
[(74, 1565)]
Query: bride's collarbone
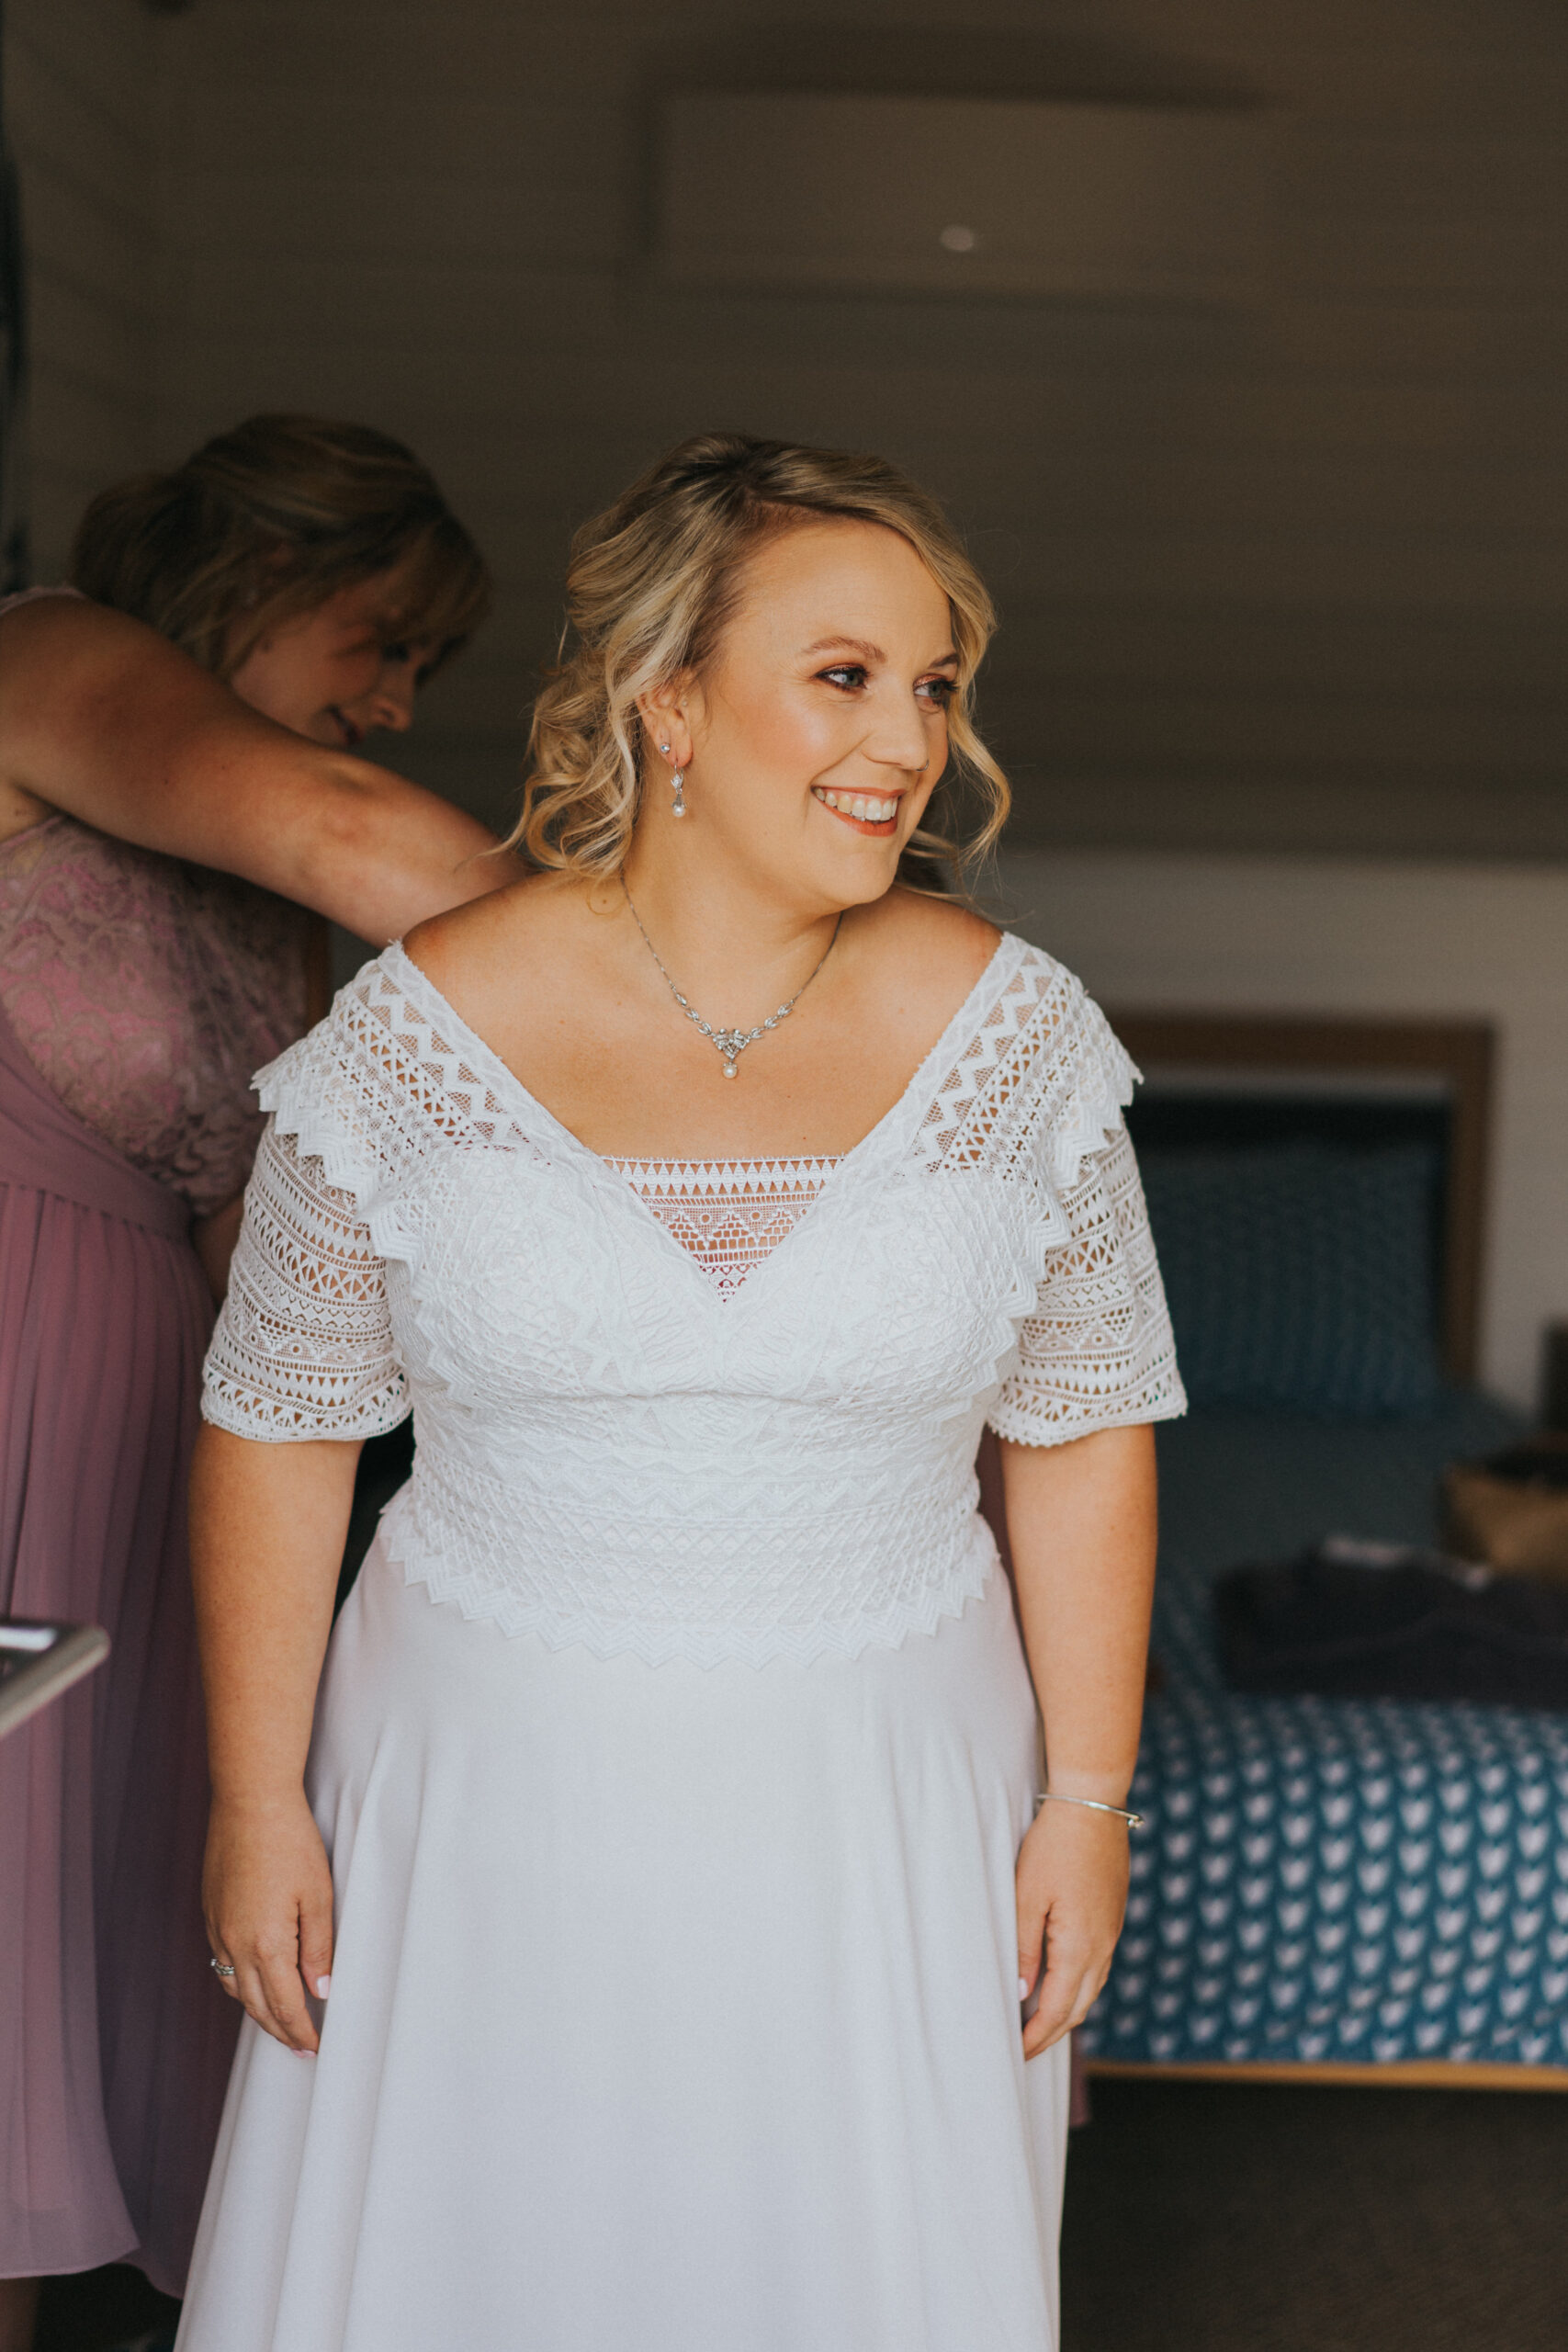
[(640, 1096), (617, 1062)]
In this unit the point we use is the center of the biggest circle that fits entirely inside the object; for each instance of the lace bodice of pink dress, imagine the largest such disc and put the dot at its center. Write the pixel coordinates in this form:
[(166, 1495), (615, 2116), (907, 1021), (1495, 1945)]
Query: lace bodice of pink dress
[(145, 991)]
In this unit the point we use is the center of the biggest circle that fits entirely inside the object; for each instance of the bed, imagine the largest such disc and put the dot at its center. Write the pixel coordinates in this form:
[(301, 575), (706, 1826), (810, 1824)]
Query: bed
[(1328, 1890)]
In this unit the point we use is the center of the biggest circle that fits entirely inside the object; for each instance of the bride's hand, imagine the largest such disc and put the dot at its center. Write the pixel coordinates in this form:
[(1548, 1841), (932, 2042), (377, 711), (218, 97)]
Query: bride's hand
[(267, 1896), (1072, 1893)]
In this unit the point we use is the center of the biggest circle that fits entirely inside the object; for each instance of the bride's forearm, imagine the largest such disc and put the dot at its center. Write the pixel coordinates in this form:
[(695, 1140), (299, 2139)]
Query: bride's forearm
[(1081, 1521), (1082, 1518), (268, 1530)]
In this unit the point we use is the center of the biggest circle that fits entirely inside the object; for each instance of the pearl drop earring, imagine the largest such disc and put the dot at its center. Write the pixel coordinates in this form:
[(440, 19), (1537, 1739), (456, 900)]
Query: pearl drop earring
[(678, 781)]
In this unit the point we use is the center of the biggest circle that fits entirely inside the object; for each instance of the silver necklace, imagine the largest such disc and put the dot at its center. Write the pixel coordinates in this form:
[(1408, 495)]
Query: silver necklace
[(731, 1043)]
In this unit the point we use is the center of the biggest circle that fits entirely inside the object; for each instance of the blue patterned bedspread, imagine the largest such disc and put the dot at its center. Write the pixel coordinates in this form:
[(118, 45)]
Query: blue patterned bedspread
[(1326, 1880)]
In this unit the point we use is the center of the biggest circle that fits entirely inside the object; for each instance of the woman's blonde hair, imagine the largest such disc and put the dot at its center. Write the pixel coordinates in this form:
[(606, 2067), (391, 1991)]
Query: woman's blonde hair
[(263, 525), (649, 588)]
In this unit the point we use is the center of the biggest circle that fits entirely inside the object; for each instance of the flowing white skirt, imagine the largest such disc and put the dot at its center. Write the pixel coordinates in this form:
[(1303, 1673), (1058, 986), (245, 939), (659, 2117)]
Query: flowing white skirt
[(673, 2010)]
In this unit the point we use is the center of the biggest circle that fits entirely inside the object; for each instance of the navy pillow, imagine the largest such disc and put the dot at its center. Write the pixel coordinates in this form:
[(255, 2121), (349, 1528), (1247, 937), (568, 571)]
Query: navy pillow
[(1300, 1274)]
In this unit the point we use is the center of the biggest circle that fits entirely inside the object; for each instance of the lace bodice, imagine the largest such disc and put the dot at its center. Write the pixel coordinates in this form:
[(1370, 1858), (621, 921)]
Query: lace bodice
[(729, 1213), (144, 992), (767, 1452)]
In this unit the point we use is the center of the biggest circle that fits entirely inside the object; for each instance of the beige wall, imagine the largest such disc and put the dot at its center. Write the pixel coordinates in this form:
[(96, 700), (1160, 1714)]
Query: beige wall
[(82, 102), (1335, 935), (1290, 573)]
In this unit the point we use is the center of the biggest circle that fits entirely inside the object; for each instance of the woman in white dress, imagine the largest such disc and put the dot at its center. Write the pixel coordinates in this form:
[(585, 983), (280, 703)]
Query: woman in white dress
[(666, 1816)]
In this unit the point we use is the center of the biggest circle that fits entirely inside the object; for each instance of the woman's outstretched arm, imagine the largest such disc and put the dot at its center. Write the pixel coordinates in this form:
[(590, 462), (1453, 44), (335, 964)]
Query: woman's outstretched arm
[(268, 1530), (1081, 1521), (104, 718)]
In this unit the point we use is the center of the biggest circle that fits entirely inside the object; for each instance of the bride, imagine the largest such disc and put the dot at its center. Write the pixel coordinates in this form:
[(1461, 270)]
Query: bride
[(650, 1929)]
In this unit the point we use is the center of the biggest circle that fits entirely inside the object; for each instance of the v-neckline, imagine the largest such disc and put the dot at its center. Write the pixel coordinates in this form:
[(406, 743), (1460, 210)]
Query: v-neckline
[(602, 1171)]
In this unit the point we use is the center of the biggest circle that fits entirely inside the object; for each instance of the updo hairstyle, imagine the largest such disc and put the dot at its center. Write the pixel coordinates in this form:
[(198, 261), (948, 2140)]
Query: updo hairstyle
[(651, 586), (267, 523)]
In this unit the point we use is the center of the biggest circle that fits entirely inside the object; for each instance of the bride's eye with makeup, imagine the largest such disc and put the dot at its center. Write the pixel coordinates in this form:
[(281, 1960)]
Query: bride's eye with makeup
[(848, 676), (937, 689)]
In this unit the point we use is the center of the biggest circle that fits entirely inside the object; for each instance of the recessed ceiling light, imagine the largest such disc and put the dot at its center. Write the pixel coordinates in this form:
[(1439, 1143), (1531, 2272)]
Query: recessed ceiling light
[(957, 238)]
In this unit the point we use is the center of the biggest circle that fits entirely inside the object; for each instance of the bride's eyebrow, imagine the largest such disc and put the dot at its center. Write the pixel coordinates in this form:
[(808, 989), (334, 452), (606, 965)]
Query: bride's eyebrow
[(860, 645), (870, 652)]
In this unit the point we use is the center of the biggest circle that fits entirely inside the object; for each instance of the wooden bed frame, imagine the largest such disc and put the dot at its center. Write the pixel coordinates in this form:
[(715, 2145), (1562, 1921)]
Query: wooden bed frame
[(1399, 2074), (1458, 1054)]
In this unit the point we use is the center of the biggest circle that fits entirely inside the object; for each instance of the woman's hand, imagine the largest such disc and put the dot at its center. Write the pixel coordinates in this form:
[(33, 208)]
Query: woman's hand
[(1081, 1517), (1072, 1893), (268, 1895), (267, 1525)]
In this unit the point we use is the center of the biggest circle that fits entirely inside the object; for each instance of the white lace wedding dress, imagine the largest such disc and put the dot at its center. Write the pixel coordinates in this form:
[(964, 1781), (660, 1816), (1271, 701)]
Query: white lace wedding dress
[(675, 1745)]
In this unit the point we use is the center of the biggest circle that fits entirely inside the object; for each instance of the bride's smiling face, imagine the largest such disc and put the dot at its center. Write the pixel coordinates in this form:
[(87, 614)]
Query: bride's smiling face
[(815, 735)]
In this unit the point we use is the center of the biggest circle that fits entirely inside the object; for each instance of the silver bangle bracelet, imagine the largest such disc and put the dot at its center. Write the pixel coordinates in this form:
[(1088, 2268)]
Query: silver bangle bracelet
[(1054, 1796)]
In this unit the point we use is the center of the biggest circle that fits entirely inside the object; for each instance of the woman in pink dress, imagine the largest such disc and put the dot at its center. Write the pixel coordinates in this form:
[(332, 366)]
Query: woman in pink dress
[(176, 787)]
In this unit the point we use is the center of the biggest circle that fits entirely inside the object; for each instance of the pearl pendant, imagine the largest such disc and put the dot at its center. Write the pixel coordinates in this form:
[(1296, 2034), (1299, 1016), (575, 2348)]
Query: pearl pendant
[(729, 1070)]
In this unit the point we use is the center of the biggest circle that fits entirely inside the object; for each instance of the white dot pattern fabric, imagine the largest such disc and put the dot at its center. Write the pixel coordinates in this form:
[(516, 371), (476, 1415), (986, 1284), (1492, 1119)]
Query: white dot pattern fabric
[(746, 1438)]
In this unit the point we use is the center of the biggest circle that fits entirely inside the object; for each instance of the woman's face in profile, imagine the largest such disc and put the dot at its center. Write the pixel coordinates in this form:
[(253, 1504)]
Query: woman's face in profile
[(818, 731), (336, 673)]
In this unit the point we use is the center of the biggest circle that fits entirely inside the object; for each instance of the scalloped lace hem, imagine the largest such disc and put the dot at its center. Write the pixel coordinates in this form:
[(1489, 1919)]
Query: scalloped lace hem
[(1097, 1108), (1017, 1426), (281, 1420), (482, 1596), (315, 1132)]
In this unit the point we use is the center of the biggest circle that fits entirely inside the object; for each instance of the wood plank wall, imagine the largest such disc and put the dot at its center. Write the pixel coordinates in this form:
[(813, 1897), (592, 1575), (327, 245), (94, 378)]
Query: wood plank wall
[(1293, 575), (83, 117)]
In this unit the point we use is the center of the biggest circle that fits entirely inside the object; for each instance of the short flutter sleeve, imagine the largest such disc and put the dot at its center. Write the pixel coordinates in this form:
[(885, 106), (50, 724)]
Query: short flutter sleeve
[(1096, 1350), (303, 1346)]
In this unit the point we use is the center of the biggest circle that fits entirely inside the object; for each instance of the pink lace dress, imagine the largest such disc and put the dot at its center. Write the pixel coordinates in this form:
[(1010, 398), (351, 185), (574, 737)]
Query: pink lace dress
[(136, 997), (145, 991)]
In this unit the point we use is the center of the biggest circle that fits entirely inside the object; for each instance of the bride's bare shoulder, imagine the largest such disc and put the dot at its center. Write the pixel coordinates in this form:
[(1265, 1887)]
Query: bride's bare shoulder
[(466, 939), (469, 949), (947, 941)]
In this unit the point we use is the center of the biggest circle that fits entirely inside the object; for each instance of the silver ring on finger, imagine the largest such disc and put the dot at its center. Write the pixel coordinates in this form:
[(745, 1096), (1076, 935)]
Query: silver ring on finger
[(221, 1968)]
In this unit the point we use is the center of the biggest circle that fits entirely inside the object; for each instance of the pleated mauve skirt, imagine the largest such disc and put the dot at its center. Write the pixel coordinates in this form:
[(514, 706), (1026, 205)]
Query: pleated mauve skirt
[(673, 2010), (114, 2042)]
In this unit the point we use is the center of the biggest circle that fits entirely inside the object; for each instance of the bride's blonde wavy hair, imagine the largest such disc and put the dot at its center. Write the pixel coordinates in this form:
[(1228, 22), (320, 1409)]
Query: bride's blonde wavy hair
[(650, 587)]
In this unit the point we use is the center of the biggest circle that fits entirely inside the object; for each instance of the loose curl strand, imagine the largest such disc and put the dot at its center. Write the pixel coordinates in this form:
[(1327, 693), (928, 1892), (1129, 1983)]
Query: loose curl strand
[(651, 586)]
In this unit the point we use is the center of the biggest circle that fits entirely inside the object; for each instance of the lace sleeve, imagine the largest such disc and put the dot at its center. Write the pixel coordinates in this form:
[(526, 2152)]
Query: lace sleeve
[(303, 1346), (1097, 1352)]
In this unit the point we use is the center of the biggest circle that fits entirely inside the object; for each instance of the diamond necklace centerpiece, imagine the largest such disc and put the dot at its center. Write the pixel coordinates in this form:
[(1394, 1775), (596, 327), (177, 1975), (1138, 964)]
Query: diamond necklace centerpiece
[(731, 1043)]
